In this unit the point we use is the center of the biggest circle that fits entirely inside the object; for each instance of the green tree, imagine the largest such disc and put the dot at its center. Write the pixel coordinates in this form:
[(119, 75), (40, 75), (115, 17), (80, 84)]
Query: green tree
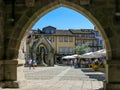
[(81, 49)]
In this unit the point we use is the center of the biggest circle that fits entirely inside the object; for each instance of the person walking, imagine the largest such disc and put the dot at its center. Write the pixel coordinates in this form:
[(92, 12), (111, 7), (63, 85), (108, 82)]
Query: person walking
[(71, 63)]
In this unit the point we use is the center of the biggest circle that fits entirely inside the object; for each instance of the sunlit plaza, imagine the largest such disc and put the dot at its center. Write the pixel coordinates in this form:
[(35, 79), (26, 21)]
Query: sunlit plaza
[(62, 78)]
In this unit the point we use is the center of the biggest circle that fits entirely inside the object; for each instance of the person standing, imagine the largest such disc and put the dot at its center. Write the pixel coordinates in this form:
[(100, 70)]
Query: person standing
[(34, 64), (75, 63), (30, 63), (71, 63)]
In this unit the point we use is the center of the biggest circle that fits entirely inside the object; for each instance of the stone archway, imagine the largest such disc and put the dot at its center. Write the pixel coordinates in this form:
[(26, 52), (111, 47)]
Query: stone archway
[(37, 14), (27, 16)]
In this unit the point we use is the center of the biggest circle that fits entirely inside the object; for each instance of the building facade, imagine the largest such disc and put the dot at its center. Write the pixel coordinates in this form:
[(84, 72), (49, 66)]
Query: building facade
[(90, 36), (65, 41)]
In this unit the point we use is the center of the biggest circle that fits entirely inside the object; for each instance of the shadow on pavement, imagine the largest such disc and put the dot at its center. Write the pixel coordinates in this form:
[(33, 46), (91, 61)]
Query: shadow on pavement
[(100, 76)]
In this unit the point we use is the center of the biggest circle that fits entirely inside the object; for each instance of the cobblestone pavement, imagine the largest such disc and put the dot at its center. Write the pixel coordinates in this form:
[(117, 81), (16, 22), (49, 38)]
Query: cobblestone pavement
[(62, 78)]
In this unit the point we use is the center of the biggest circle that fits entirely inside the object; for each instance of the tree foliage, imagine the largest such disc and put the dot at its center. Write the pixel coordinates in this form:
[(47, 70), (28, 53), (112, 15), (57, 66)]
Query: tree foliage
[(81, 49)]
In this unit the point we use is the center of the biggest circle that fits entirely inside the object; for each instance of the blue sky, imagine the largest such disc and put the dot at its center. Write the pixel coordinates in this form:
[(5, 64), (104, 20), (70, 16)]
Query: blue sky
[(64, 18)]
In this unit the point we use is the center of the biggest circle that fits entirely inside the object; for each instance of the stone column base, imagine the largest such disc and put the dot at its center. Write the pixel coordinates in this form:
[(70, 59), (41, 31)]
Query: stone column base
[(11, 74), (13, 84), (111, 86), (9, 84)]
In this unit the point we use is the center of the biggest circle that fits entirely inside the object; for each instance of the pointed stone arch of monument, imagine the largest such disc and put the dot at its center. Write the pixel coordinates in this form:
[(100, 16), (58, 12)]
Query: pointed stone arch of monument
[(100, 12), (44, 50)]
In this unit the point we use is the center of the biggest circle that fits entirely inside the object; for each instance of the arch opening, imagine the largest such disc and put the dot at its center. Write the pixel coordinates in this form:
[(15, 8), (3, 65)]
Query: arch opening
[(79, 10)]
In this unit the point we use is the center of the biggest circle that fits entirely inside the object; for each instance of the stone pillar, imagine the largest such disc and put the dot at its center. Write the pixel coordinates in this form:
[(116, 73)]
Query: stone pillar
[(51, 59), (8, 73), (20, 66), (112, 75)]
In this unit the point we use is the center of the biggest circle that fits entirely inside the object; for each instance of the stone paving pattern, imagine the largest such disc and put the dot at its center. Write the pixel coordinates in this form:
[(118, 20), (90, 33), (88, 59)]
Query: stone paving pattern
[(62, 78)]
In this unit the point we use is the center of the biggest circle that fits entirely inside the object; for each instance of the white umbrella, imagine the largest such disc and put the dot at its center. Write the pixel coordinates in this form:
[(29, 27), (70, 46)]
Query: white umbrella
[(100, 53), (76, 55), (68, 57), (88, 55)]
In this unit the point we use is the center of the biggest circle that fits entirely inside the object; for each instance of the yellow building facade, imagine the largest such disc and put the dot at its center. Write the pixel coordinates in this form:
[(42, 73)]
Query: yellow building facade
[(65, 41)]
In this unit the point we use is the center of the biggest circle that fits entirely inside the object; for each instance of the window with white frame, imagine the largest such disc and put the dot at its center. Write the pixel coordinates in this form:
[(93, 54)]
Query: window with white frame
[(70, 39), (60, 39), (60, 50), (65, 38), (65, 50), (71, 50)]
